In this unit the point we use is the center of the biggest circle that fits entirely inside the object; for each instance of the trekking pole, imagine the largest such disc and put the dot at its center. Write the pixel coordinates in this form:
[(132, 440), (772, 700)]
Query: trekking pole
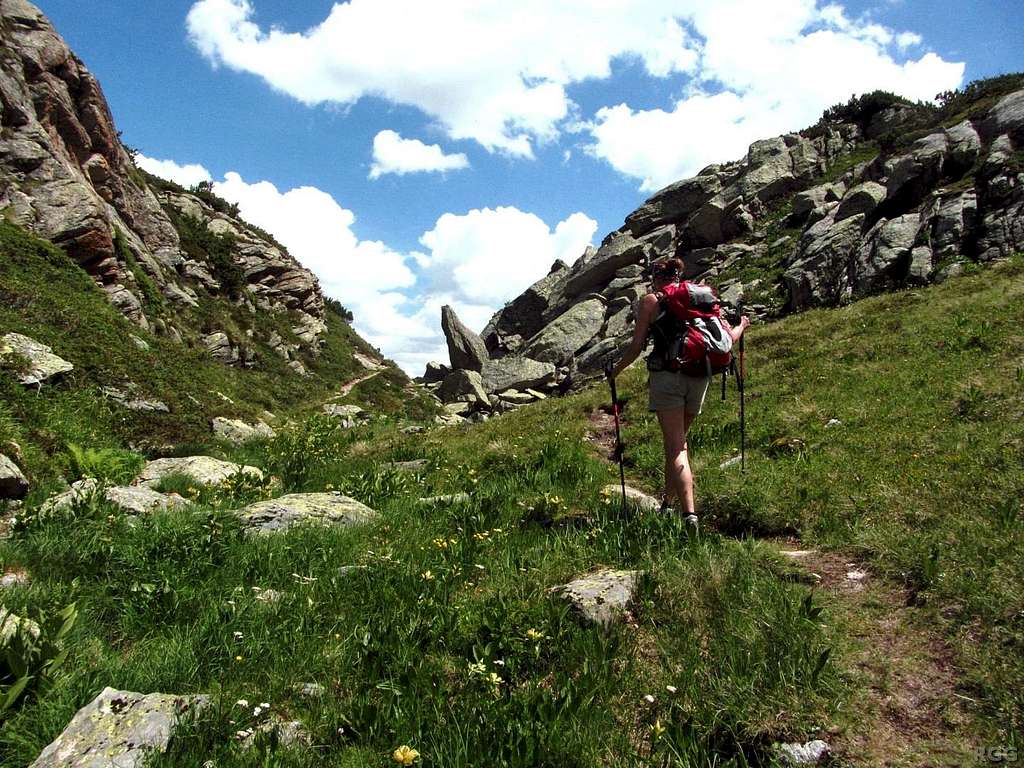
[(743, 416), (618, 441)]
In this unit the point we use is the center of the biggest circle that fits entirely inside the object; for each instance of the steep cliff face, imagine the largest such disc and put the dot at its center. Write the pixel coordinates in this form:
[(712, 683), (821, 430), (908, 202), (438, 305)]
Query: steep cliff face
[(65, 175), (886, 195)]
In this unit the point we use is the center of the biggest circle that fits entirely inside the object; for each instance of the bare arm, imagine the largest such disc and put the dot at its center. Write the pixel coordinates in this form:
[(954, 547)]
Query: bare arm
[(645, 315), (737, 332)]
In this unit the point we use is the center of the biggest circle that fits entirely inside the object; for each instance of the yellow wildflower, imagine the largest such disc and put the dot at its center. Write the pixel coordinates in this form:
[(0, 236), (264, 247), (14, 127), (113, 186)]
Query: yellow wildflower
[(427, 576), (657, 730), (405, 755), (533, 634)]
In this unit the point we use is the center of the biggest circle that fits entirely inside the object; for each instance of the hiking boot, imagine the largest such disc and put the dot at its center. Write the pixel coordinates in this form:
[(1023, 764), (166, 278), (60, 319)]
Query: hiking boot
[(692, 523)]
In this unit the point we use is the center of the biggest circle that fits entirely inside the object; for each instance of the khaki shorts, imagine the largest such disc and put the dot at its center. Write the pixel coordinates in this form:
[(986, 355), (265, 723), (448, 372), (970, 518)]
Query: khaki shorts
[(670, 389)]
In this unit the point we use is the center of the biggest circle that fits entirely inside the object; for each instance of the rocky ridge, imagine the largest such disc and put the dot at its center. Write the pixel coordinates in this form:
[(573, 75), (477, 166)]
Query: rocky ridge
[(888, 198), (66, 176)]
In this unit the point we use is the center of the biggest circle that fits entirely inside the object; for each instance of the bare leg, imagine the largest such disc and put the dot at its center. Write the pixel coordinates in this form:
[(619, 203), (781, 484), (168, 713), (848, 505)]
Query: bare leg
[(675, 423)]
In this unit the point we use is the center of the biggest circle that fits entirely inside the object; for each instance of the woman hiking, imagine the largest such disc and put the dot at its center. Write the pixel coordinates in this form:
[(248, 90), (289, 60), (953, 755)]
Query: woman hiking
[(675, 396)]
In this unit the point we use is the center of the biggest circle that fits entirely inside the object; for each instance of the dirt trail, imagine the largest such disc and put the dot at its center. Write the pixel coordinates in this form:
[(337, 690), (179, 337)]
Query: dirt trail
[(912, 713), (353, 383)]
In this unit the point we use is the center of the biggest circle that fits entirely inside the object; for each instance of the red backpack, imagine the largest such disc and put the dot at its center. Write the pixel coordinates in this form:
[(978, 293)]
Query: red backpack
[(703, 346)]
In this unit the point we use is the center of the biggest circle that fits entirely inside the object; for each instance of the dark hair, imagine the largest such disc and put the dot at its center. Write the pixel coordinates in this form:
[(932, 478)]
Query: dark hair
[(672, 267)]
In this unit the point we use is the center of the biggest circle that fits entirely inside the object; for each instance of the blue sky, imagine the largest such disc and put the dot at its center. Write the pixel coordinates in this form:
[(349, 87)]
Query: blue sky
[(415, 153)]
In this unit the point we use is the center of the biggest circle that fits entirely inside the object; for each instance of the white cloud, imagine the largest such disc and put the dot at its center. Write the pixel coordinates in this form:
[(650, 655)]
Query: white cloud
[(774, 73), (487, 70), (475, 262), (393, 154), (185, 175), (490, 256)]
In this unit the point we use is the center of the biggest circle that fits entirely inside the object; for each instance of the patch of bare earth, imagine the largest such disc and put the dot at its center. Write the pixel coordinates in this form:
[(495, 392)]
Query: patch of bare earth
[(601, 432), (912, 713)]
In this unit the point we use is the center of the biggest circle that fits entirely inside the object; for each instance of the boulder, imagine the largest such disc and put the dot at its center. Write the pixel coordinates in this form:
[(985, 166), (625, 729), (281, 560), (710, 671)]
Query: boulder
[(119, 729), (13, 484), (523, 315), (462, 384), (345, 412), (435, 372), (964, 146), (220, 347), (820, 275), (132, 500), (811, 753), (637, 498), (516, 373), (205, 470), (914, 173), (570, 331), (593, 358), (675, 202), (304, 508), (465, 349), (884, 255), (951, 221), (42, 364), (602, 596), (863, 198), (619, 249), (1007, 117), (237, 431)]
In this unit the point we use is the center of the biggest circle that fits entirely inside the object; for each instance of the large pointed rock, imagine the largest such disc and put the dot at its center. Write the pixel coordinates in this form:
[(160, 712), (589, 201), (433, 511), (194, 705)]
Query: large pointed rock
[(465, 348), (40, 362), (304, 508), (205, 470), (119, 729), (602, 596)]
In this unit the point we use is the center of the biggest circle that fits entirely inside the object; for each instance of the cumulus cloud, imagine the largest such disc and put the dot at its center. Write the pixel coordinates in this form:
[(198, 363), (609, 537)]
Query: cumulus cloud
[(487, 70), (500, 73), (474, 261), (185, 175), (393, 154), (776, 72)]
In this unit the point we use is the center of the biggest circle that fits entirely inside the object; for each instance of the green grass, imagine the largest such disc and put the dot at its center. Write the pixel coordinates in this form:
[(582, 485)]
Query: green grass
[(922, 477), (448, 639)]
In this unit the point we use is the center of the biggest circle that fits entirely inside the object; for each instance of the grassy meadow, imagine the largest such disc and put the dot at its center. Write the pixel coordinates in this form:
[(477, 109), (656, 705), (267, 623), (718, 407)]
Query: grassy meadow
[(445, 636)]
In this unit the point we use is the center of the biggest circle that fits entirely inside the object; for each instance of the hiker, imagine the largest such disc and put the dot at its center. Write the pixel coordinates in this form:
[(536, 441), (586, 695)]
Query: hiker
[(675, 396)]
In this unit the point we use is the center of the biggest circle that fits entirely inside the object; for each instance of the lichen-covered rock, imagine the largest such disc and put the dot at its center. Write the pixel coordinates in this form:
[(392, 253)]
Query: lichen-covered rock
[(347, 411), (304, 508), (119, 729), (602, 596), (462, 385), (636, 497), (810, 753), (237, 431), (42, 364), (863, 198), (133, 500), (570, 331), (516, 373), (13, 484), (205, 470)]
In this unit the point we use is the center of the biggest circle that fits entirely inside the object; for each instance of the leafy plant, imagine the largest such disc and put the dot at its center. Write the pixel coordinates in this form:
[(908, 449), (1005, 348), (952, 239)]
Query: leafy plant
[(32, 654), (108, 465)]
